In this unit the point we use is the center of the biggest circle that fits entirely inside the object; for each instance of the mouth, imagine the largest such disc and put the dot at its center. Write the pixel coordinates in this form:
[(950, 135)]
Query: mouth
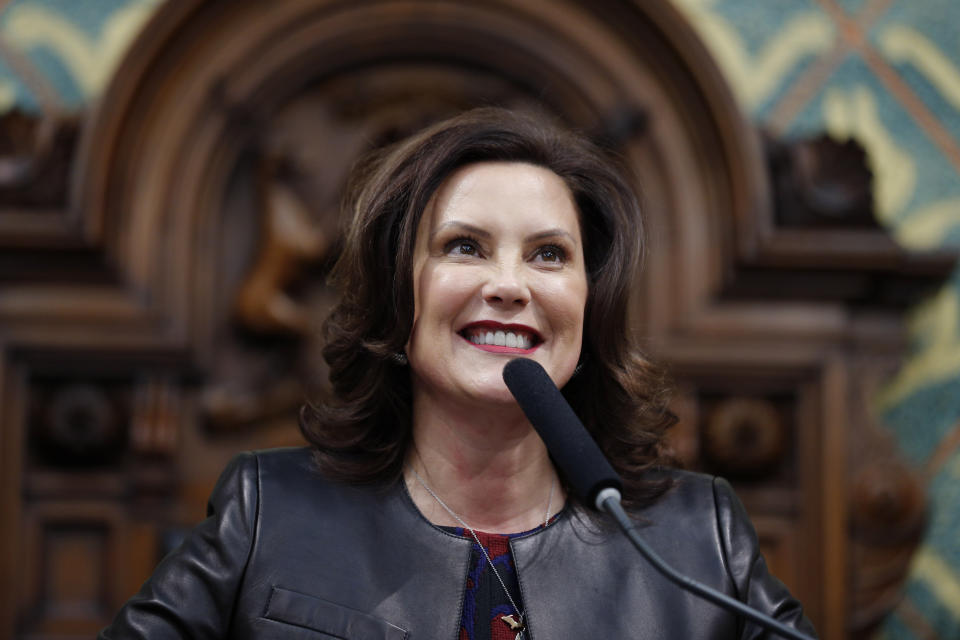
[(504, 338)]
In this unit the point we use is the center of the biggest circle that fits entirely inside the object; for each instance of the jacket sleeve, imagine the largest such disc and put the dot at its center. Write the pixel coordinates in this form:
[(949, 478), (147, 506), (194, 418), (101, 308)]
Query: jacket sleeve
[(754, 583), (192, 592)]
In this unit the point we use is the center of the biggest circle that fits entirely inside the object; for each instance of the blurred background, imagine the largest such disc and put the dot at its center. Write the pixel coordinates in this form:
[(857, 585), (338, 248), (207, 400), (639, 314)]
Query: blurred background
[(169, 184)]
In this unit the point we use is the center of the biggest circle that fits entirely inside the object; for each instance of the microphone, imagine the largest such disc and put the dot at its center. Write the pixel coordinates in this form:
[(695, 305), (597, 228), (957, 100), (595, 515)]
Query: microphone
[(595, 482), (573, 450)]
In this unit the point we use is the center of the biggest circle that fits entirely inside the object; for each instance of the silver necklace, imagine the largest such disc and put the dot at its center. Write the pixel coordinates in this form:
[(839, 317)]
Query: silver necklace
[(515, 624)]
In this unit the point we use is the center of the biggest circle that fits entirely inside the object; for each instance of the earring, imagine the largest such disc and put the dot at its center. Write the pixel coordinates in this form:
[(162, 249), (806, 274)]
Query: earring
[(578, 368), (399, 358)]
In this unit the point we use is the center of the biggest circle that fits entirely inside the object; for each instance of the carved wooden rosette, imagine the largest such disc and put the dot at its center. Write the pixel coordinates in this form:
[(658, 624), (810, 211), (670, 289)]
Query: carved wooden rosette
[(162, 313)]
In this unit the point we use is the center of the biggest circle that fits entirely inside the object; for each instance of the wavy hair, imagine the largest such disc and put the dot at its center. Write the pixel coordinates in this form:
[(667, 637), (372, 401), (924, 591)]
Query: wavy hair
[(361, 433)]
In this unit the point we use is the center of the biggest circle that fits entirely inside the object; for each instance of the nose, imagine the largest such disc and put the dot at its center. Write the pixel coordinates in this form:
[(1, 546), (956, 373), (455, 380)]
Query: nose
[(506, 286)]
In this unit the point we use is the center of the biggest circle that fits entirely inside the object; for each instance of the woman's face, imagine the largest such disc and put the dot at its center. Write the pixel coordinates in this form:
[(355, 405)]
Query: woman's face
[(498, 273)]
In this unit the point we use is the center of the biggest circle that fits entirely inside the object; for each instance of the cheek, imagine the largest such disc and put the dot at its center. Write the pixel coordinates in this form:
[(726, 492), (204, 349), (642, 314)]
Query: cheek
[(565, 302), (442, 293)]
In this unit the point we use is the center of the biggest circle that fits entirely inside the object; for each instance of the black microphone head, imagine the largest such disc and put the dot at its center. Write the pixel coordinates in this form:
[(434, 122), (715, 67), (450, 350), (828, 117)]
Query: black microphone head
[(570, 445)]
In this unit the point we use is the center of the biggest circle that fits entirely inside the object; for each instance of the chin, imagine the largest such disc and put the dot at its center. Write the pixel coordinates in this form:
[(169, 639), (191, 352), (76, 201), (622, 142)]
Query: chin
[(493, 391), (502, 397)]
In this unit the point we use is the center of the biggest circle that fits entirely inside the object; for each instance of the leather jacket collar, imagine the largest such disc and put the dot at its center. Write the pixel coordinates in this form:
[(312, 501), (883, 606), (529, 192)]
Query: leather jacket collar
[(285, 553)]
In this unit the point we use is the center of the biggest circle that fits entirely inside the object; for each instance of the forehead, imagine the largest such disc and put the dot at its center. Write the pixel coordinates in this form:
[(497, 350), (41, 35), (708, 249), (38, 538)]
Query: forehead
[(503, 191)]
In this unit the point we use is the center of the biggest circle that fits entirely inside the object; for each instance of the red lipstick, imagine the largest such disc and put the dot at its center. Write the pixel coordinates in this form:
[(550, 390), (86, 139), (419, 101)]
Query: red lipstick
[(515, 339)]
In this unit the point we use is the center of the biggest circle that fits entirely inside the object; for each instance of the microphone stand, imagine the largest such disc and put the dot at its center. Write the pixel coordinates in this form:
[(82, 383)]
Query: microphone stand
[(608, 500)]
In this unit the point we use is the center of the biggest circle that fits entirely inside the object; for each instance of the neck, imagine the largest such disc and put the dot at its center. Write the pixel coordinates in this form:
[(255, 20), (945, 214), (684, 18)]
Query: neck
[(489, 467)]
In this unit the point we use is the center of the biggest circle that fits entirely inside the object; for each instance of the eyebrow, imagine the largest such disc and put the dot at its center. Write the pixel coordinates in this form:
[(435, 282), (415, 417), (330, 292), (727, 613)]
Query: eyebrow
[(549, 233), (453, 224), (482, 233)]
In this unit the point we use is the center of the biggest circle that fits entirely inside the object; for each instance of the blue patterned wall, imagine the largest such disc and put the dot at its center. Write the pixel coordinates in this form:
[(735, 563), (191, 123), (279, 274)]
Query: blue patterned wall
[(58, 54), (886, 72)]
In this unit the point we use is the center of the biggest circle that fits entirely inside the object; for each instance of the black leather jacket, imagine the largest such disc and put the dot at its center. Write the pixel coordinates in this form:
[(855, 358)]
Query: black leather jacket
[(286, 554)]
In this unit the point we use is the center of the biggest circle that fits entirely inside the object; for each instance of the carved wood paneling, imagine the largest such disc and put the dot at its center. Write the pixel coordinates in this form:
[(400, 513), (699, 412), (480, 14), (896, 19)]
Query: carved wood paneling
[(159, 312), (74, 555)]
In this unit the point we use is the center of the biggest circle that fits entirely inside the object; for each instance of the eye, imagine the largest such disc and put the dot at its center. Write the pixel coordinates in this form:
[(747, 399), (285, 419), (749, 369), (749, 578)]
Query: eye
[(551, 253), (462, 246)]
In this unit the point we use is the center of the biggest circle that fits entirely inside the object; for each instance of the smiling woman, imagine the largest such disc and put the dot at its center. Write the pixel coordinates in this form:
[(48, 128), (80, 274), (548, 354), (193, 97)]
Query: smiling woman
[(524, 223), (498, 272), (427, 506)]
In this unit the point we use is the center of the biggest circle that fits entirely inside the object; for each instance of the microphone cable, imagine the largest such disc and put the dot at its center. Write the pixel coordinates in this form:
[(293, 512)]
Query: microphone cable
[(594, 480)]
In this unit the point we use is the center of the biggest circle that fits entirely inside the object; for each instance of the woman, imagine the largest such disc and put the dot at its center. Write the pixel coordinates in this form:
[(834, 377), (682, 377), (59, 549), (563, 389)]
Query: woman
[(427, 506)]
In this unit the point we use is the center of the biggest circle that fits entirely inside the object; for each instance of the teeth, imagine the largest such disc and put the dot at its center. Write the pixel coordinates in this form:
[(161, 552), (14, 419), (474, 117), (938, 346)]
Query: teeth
[(502, 339)]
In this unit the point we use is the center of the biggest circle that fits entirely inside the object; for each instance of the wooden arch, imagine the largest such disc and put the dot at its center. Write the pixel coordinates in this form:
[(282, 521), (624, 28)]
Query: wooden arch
[(177, 126)]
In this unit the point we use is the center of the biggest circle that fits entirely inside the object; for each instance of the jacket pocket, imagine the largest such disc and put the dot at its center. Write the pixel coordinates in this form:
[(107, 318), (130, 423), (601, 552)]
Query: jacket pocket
[(335, 620)]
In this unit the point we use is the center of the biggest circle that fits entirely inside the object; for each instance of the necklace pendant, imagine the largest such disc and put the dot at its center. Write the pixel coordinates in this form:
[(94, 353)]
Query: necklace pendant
[(511, 622)]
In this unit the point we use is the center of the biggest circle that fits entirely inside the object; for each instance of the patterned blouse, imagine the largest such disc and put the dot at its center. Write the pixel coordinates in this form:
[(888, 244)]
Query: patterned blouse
[(484, 602)]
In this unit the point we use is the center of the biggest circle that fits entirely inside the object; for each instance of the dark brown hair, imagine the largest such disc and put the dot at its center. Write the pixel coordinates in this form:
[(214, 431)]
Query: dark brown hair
[(362, 432)]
